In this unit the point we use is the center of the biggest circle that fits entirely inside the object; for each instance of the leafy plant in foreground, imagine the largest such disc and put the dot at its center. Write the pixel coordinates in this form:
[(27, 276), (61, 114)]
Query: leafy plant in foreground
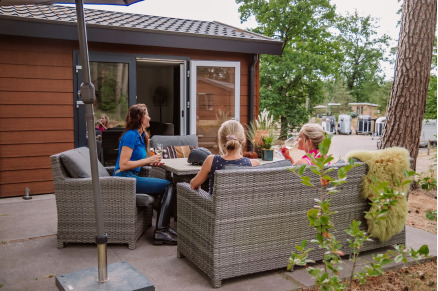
[(320, 219)]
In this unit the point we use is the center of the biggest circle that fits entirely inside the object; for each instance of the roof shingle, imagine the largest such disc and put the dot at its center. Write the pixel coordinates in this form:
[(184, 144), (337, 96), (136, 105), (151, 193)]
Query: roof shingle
[(121, 20)]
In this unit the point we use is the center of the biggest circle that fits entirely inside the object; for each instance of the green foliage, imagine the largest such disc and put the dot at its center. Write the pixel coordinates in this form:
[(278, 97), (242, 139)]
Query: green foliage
[(431, 214), (320, 219), (336, 92), (268, 140), (106, 94), (263, 122), (385, 197), (427, 182), (363, 52), (309, 54)]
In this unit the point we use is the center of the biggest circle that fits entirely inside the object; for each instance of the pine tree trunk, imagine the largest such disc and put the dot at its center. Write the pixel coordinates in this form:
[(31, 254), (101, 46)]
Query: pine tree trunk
[(412, 70)]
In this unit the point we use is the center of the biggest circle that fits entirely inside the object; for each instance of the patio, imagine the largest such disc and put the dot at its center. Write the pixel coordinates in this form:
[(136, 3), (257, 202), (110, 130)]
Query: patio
[(31, 260)]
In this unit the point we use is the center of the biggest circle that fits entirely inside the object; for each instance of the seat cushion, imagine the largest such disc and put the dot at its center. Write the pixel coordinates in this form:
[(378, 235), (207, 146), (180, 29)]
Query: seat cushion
[(77, 163), (173, 152), (175, 140)]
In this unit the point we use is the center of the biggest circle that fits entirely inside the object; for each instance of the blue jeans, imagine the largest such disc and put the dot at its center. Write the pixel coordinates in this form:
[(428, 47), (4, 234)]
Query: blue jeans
[(145, 185)]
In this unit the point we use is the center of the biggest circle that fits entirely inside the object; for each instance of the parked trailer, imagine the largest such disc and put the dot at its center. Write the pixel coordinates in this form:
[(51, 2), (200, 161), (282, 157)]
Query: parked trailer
[(428, 132), (380, 125), (329, 124), (364, 124), (344, 124)]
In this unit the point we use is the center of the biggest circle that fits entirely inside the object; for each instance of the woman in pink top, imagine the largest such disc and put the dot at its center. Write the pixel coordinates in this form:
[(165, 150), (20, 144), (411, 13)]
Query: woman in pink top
[(311, 135)]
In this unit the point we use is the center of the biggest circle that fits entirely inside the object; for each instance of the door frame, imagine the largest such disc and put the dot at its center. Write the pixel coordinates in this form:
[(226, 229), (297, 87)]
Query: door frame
[(131, 59), (79, 118), (193, 93), (183, 67)]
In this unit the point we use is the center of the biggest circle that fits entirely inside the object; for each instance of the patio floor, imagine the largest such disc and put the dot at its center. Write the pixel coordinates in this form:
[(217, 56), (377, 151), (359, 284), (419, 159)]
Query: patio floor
[(30, 259)]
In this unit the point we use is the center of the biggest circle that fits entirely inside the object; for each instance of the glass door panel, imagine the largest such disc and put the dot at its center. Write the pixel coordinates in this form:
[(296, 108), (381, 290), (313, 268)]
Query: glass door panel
[(215, 97), (111, 85)]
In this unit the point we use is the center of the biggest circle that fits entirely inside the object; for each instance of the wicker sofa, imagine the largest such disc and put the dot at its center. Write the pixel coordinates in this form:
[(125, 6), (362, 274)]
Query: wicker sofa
[(255, 217), (125, 214)]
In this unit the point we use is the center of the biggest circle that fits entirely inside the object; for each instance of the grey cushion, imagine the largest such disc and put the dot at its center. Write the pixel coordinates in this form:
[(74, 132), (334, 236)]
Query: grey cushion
[(77, 163), (276, 164), (174, 140), (143, 199)]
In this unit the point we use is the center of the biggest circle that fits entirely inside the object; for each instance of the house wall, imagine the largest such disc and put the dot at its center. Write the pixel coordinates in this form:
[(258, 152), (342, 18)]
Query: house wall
[(36, 104)]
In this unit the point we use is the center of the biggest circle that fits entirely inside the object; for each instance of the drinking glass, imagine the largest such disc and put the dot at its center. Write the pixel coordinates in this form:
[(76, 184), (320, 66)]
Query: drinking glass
[(159, 149)]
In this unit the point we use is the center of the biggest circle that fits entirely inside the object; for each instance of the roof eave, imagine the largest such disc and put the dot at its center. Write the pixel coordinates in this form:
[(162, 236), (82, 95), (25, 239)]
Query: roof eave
[(105, 34)]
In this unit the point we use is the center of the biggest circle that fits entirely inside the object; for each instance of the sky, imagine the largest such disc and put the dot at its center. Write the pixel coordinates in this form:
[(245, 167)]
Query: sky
[(226, 11)]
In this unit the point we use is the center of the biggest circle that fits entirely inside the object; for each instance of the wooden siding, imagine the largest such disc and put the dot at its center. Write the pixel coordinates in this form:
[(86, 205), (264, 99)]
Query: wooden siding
[(36, 103), (36, 112)]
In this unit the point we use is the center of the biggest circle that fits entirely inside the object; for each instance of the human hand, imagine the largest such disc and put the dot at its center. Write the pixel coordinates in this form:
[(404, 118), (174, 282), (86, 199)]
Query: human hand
[(158, 164), (286, 154), (154, 159)]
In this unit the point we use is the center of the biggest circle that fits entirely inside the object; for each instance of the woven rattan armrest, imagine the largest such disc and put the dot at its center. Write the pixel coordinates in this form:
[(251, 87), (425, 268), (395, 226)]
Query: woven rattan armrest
[(198, 198), (107, 184)]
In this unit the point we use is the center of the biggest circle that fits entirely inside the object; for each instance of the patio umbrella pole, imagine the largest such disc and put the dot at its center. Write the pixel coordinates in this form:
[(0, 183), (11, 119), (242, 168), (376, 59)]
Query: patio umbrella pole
[(88, 96)]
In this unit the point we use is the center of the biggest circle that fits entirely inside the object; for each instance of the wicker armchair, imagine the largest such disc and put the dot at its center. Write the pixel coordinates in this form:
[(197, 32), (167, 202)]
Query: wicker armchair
[(255, 217), (124, 222)]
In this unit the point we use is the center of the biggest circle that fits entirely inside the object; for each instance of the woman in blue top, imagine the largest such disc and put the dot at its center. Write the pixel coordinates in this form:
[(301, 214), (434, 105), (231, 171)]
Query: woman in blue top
[(133, 154), (231, 139)]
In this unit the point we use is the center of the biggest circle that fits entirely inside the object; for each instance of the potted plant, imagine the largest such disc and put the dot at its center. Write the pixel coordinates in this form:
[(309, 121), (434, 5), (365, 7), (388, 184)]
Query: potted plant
[(261, 127), (268, 140)]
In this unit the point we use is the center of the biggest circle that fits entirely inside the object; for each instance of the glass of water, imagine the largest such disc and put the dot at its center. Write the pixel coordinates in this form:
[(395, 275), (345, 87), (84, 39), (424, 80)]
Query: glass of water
[(159, 149)]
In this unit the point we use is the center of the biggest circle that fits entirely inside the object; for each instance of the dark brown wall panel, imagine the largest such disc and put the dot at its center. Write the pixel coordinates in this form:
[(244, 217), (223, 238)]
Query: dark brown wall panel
[(33, 58), (36, 137), (32, 150), (38, 98), (29, 124), (36, 112), (23, 176), (11, 190), (24, 163), (32, 85), (29, 72), (43, 110)]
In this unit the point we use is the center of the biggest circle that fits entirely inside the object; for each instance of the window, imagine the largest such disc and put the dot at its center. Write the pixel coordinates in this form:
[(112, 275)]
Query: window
[(111, 86), (214, 98)]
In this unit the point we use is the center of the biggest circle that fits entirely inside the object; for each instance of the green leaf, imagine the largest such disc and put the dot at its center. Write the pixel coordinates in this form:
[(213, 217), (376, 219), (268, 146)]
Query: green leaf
[(301, 170), (424, 250), (330, 170), (306, 181), (315, 170), (341, 173), (328, 159)]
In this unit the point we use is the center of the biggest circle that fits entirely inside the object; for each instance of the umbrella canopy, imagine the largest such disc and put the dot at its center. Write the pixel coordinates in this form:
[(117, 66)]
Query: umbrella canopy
[(25, 2)]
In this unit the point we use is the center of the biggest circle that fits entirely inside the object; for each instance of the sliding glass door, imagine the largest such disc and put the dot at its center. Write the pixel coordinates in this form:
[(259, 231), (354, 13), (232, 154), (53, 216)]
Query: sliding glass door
[(214, 98)]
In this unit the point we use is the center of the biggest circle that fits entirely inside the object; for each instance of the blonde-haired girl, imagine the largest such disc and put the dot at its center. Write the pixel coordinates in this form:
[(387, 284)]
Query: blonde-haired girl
[(311, 135), (231, 139)]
